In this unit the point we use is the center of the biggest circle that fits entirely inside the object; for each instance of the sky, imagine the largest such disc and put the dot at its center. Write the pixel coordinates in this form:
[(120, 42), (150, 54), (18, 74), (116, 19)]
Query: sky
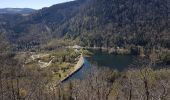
[(35, 4)]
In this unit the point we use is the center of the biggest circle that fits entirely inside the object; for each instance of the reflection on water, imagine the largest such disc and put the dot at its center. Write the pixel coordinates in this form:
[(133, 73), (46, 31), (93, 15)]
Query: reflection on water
[(103, 59), (118, 62)]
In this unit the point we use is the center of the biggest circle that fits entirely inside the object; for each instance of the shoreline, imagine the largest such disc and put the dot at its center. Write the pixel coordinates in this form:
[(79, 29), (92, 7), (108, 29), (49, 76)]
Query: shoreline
[(77, 67)]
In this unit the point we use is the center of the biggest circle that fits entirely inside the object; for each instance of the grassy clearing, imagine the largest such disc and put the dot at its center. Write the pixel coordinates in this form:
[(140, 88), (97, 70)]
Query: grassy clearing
[(62, 63)]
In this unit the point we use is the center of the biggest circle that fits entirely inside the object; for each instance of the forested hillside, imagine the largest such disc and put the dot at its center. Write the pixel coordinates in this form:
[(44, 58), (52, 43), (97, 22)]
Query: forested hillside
[(109, 22), (38, 59), (101, 23), (31, 30)]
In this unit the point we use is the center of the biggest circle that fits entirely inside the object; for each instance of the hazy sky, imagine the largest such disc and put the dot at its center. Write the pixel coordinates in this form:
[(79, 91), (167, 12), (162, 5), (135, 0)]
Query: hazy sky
[(36, 4)]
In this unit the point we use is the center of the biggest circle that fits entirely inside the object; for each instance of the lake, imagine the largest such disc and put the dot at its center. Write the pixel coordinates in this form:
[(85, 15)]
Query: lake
[(104, 59)]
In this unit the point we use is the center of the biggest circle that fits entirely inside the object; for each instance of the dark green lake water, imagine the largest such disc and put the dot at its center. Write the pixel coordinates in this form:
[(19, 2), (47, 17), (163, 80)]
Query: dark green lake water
[(118, 62), (103, 59)]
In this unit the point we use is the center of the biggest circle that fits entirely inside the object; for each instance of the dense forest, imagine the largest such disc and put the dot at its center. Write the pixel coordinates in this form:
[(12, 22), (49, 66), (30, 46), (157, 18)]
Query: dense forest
[(101, 23), (139, 83), (138, 27), (121, 22)]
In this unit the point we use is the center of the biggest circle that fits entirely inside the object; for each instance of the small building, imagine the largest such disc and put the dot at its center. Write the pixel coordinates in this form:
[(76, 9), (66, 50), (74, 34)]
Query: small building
[(77, 48)]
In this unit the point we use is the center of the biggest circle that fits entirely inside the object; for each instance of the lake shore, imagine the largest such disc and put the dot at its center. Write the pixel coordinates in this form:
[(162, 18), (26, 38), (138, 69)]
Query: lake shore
[(77, 67)]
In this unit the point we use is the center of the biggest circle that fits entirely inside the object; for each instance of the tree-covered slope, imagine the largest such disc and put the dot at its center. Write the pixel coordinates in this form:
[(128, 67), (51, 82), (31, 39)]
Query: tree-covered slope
[(108, 22), (37, 27), (94, 23)]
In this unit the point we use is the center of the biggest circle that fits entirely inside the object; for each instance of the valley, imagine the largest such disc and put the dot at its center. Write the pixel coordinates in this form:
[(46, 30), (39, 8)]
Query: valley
[(86, 50)]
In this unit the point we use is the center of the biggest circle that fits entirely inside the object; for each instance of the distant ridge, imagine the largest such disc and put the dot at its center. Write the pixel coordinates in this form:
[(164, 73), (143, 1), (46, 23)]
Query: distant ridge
[(16, 10)]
